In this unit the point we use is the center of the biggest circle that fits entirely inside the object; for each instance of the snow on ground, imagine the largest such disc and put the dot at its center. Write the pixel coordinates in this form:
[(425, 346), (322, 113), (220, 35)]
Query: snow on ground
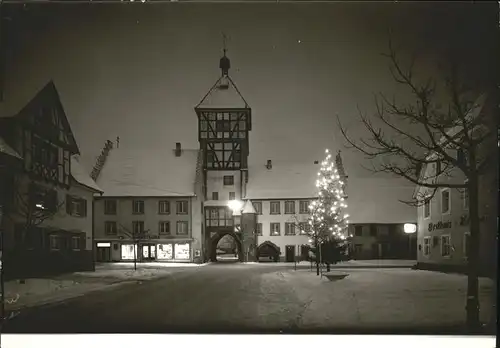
[(42, 291), (381, 297), (352, 263)]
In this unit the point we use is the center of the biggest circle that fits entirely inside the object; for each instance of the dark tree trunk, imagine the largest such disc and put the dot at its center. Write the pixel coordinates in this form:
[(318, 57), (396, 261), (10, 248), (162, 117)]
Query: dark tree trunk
[(472, 304)]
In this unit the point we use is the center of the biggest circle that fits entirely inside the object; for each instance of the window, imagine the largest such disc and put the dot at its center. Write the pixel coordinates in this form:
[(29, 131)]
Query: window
[(258, 229), (164, 227), (466, 244), (43, 199), (258, 207), (358, 231), (438, 167), (445, 201), (182, 251), (129, 251), (304, 228), (182, 228), (165, 252), (137, 227), (109, 207), (110, 228), (182, 207), (163, 207), (138, 207), (373, 230), (358, 248), (289, 229), (76, 206), (304, 207), (55, 242), (228, 180), (466, 198), (215, 196), (222, 126), (275, 228), (427, 245), (75, 243), (232, 196), (289, 207), (275, 207), (427, 209), (445, 246)]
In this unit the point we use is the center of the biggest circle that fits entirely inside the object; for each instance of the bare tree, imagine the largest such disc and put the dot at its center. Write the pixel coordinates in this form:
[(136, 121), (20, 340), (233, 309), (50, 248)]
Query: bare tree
[(441, 147), (32, 206), (136, 239)]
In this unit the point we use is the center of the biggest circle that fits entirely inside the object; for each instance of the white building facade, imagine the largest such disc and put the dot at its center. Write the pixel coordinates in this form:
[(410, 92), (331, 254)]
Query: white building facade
[(443, 222)]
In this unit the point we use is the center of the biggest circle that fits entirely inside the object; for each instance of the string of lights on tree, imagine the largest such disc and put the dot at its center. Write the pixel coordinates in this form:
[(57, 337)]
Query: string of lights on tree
[(328, 218)]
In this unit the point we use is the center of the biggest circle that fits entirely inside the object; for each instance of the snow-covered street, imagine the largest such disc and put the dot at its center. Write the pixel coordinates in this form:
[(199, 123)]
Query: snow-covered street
[(236, 297), (34, 292)]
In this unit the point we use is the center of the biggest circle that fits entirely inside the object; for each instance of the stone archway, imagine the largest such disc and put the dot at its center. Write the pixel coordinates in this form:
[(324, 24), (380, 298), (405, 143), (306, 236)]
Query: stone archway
[(268, 249), (215, 240)]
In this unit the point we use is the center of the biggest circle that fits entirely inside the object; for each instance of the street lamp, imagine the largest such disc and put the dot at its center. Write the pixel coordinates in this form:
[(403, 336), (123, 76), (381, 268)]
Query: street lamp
[(235, 205), (409, 229)]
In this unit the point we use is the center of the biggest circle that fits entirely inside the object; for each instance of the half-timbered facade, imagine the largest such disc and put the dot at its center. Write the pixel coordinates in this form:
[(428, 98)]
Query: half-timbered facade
[(48, 219)]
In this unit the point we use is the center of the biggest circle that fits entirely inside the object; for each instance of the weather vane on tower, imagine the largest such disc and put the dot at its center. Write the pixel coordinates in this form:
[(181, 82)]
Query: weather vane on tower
[(225, 63)]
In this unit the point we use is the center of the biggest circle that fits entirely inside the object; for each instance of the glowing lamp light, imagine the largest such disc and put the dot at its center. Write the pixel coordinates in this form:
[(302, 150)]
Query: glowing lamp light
[(235, 205), (410, 228)]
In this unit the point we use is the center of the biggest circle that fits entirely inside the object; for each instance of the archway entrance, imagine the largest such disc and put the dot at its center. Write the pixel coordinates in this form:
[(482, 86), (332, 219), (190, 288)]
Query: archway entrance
[(225, 247), (268, 251)]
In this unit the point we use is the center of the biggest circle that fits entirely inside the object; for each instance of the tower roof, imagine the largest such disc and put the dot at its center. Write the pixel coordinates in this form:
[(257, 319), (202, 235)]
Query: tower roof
[(224, 94)]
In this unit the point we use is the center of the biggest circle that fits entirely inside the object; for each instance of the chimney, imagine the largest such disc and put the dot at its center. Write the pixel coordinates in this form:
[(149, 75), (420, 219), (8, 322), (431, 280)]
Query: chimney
[(269, 164), (177, 149)]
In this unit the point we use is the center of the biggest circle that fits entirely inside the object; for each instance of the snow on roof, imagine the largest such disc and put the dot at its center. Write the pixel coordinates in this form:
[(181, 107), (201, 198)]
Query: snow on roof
[(377, 200), (370, 199), (132, 172), (283, 180), (6, 149), (248, 208), (220, 97), (81, 175)]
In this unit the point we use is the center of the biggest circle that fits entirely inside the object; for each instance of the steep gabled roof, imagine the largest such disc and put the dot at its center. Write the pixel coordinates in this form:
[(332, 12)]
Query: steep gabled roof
[(81, 175), (7, 150), (48, 98), (130, 172), (223, 95), (453, 133)]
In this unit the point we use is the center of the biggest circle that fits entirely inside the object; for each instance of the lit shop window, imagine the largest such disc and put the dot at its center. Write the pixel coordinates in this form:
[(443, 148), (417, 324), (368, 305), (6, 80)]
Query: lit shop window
[(182, 251), (128, 251), (165, 252)]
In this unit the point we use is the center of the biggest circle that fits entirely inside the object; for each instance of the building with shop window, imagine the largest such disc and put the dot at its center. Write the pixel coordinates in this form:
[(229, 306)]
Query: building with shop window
[(443, 222), (149, 206), (47, 199), (262, 206)]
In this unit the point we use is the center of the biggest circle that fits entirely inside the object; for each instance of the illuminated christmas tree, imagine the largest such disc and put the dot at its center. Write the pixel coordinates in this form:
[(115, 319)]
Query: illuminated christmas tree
[(328, 218)]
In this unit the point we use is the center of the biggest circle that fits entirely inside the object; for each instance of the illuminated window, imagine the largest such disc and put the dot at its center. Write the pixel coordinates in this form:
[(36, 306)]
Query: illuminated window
[(129, 251), (165, 252), (182, 251), (445, 246)]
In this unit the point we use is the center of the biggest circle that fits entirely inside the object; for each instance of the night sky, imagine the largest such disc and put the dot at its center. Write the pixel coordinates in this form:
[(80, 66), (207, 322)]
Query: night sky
[(137, 70)]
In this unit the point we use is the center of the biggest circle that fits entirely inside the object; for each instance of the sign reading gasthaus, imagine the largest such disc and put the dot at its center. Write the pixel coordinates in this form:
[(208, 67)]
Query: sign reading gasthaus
[(439, 226)]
